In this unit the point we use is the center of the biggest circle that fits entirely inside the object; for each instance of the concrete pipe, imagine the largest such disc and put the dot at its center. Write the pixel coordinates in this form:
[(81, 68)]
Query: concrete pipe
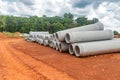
[(55, 37), (54, 44), (92, 27), (72, 48), (57, 45), (98, 47), (83, 36), (51, 37), (63, 46), (43, 36), (47, 37), (45, 42), (38, 32), (40, 41), (50, 43), (31, 37), (37, 39), (39, 36), (34, 35)]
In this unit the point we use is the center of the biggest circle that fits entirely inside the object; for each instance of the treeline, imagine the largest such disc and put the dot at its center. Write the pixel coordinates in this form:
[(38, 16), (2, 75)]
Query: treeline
[(44, 23)]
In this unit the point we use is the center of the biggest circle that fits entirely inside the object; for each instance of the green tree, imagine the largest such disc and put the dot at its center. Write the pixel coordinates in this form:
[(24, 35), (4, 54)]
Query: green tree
[(95, 20), (81, 21), (116, 32), (44, 23), (56, 27), (68, 15)]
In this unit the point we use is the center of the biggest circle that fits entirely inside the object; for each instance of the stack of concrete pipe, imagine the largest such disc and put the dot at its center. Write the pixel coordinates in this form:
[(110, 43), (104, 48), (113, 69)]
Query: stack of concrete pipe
[(36, 36), (81, 41)]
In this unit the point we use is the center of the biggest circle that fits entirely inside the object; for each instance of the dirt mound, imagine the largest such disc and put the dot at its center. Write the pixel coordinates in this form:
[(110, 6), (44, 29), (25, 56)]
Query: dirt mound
[(117, 36), (17, 33)]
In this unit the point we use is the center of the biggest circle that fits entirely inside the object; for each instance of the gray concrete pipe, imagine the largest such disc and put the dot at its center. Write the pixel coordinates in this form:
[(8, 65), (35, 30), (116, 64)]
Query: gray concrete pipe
[(51, 37), (54, 36), (34, 35), (54, 44), (40, 41), (50, 43), (60, 35), (83, 36), (38, 32), (72, 48), (63, 46), (45, 42), (47, 37), (57, 45), (97, 47), (42, 36)]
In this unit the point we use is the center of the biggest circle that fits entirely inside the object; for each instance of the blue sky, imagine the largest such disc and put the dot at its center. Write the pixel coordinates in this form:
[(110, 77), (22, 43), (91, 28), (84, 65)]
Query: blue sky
[(107, 11)]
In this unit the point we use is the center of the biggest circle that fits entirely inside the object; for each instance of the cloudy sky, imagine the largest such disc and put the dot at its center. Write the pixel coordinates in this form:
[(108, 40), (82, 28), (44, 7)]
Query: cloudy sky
[(107, 11)]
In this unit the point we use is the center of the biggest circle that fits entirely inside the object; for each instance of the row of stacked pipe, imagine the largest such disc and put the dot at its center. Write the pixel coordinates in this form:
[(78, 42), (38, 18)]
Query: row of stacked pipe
[(80, 41)]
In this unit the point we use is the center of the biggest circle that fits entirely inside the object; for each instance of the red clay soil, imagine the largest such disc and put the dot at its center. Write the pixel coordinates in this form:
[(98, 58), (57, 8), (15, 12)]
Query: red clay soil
[(16, 65), (21, 60), (117, 36), (99, 67)]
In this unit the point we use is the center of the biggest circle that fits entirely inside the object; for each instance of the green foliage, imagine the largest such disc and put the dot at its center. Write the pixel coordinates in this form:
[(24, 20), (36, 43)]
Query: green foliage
[(44, 23), (57, 27), (68, 15), (116, 33), (84, 21), (11, 34)]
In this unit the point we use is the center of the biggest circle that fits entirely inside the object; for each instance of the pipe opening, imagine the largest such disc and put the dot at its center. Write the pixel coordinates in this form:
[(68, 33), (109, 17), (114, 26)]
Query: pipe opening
[(71, 51), (56, 46), (77, 51), (67, 38), (56, 35), (60, 47)]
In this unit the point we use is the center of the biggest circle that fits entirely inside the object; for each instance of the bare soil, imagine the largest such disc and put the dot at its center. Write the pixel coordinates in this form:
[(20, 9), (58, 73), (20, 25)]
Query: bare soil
[(16, 65), (22, 60)]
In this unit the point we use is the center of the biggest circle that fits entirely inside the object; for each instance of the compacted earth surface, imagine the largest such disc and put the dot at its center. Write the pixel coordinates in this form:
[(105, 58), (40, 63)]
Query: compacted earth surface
[(22, 60)]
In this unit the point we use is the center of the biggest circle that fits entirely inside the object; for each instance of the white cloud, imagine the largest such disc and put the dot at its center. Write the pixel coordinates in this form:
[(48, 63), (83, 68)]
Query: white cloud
[(107, 11), (34, 7), (3, 7)]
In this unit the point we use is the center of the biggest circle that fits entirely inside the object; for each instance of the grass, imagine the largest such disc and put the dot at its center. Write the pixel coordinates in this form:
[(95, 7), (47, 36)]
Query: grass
[(11, 34)]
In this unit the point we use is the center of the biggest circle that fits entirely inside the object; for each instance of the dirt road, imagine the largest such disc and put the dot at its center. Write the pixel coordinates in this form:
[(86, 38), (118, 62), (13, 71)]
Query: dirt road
[(21, 60), (15, 65)]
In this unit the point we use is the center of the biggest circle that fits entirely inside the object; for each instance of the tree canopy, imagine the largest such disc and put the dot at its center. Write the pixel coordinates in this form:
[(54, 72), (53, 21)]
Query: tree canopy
[(116, 33), (44, 23)]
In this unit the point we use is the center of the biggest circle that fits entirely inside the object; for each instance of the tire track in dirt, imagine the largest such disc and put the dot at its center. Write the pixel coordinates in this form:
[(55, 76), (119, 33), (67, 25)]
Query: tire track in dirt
[(40, 67), (26, 65), (19, 66), (13, 69)]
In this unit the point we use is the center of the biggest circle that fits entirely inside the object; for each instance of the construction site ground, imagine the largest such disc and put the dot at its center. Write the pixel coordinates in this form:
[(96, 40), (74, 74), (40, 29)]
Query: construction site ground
[(22, 60)]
